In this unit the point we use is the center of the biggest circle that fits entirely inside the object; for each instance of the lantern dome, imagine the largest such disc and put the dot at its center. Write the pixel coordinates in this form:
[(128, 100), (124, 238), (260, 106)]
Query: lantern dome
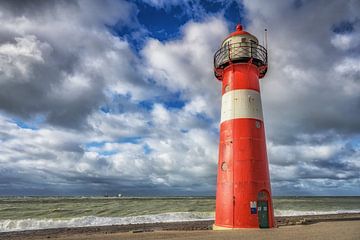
[(240, 47)]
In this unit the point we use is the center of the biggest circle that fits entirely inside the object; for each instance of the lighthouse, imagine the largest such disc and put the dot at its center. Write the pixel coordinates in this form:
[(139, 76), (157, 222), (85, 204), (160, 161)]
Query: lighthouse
[(243, 194)]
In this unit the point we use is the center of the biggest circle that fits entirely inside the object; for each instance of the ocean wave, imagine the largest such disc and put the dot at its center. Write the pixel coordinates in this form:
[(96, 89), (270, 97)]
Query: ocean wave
[(32, 224), (289, 213), (87, 221)]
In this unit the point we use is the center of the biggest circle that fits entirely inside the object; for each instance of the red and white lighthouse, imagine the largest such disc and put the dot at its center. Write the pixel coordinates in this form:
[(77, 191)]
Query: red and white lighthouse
[(243, 195)]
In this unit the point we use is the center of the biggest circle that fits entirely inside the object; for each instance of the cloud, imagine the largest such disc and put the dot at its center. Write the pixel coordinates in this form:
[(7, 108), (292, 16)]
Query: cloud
[(125, 144), (60, 63), (164, 156), (185, 65), (83, 111), (310, 94), (345, 41), (190, 8), (305, 84)]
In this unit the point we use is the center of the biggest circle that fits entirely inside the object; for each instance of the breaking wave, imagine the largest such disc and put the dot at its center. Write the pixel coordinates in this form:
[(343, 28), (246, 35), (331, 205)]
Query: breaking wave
[(289, 213), (32, 223)]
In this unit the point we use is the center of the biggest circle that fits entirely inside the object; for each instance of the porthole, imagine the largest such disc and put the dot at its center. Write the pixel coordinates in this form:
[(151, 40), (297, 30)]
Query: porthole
[(257, 124), (224, 166)]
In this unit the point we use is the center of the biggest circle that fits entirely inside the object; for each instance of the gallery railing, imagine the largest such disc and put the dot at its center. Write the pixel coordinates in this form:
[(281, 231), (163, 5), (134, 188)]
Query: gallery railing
[(240, 52)]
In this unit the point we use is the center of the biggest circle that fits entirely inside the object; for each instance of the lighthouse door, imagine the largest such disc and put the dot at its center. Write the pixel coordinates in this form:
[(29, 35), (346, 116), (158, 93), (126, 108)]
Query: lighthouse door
[(263, 214), (263, 209)]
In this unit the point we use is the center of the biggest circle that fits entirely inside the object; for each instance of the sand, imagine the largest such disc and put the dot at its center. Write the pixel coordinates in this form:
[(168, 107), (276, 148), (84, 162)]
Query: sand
[(341, 227)]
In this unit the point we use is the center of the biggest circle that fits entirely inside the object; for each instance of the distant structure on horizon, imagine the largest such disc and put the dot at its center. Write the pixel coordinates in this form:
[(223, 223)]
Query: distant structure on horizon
[(243, 195)]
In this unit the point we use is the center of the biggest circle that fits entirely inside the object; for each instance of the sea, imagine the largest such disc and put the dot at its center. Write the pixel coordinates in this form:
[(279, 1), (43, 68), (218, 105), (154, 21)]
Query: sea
[(29, 213)]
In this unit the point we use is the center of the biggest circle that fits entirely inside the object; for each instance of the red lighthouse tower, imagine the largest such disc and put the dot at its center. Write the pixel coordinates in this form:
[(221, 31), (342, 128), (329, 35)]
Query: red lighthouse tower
[(243, 196)]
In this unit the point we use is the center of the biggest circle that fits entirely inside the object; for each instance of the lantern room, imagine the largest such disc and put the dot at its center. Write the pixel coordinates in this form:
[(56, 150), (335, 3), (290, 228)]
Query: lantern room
[(240, 47)]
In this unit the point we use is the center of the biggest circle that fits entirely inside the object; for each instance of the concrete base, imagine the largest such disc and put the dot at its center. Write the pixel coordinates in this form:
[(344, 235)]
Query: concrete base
[(221, 228)]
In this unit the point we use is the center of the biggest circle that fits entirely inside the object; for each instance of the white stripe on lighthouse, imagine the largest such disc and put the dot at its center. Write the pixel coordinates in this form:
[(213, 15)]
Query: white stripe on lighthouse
[(241, 103)]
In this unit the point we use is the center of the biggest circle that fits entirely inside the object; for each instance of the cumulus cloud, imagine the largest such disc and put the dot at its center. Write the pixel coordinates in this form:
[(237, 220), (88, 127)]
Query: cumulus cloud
[(58, 59), (83, 112), (185, 64), (310, 95), (345, 41), (191, 8), (304, 79), (124, 146)]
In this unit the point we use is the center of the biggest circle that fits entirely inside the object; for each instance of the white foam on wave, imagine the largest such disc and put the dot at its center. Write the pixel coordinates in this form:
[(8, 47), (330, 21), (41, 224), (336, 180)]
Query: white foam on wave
[(288, 213), (32, 224)]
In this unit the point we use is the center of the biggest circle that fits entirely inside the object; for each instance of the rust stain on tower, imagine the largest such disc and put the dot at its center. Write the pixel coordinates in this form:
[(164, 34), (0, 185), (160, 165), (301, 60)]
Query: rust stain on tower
[(243, 195)]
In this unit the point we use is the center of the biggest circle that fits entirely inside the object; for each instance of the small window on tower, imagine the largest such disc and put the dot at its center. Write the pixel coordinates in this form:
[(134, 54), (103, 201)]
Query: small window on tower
[(224, 166)]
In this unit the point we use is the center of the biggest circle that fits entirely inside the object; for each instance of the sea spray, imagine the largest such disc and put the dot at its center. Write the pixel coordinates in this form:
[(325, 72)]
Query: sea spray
[(289, 213), (26, 213), (88, 221), (31, 224)]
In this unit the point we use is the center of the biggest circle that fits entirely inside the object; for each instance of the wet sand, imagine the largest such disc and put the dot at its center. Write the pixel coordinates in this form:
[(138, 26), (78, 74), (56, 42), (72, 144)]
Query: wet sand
[(339, 226), (319, 231)]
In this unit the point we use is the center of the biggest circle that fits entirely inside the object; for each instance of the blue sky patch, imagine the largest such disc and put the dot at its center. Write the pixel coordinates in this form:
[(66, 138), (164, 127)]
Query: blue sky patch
[(94, 144), (33, 123), (134, 139)]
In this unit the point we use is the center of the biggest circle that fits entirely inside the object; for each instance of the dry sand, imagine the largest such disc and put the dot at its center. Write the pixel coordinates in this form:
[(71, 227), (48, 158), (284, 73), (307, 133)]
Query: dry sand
[(343, 227)]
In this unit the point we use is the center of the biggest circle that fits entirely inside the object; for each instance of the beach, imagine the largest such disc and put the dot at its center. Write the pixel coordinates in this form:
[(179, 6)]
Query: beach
[(30, 218), (328, 230), (336, 226)]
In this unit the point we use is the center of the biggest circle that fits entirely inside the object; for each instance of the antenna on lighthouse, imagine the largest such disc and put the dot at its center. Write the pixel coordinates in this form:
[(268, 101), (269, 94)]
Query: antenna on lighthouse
[(265, 39), (266, 46)]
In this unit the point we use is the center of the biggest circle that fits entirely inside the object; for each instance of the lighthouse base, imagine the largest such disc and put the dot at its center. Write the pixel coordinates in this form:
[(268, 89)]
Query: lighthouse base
[(221, 228)]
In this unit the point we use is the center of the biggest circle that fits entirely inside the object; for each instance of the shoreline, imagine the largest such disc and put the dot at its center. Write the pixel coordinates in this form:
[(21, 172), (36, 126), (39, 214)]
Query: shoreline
[(171, 226)]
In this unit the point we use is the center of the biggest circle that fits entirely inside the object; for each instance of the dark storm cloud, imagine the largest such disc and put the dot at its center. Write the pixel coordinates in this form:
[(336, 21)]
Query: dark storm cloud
[(311, 95), (49, 52), (307, 91), (30, 7)]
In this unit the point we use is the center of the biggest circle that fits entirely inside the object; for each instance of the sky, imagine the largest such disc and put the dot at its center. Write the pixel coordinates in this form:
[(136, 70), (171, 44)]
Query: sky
[(107, 97)]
